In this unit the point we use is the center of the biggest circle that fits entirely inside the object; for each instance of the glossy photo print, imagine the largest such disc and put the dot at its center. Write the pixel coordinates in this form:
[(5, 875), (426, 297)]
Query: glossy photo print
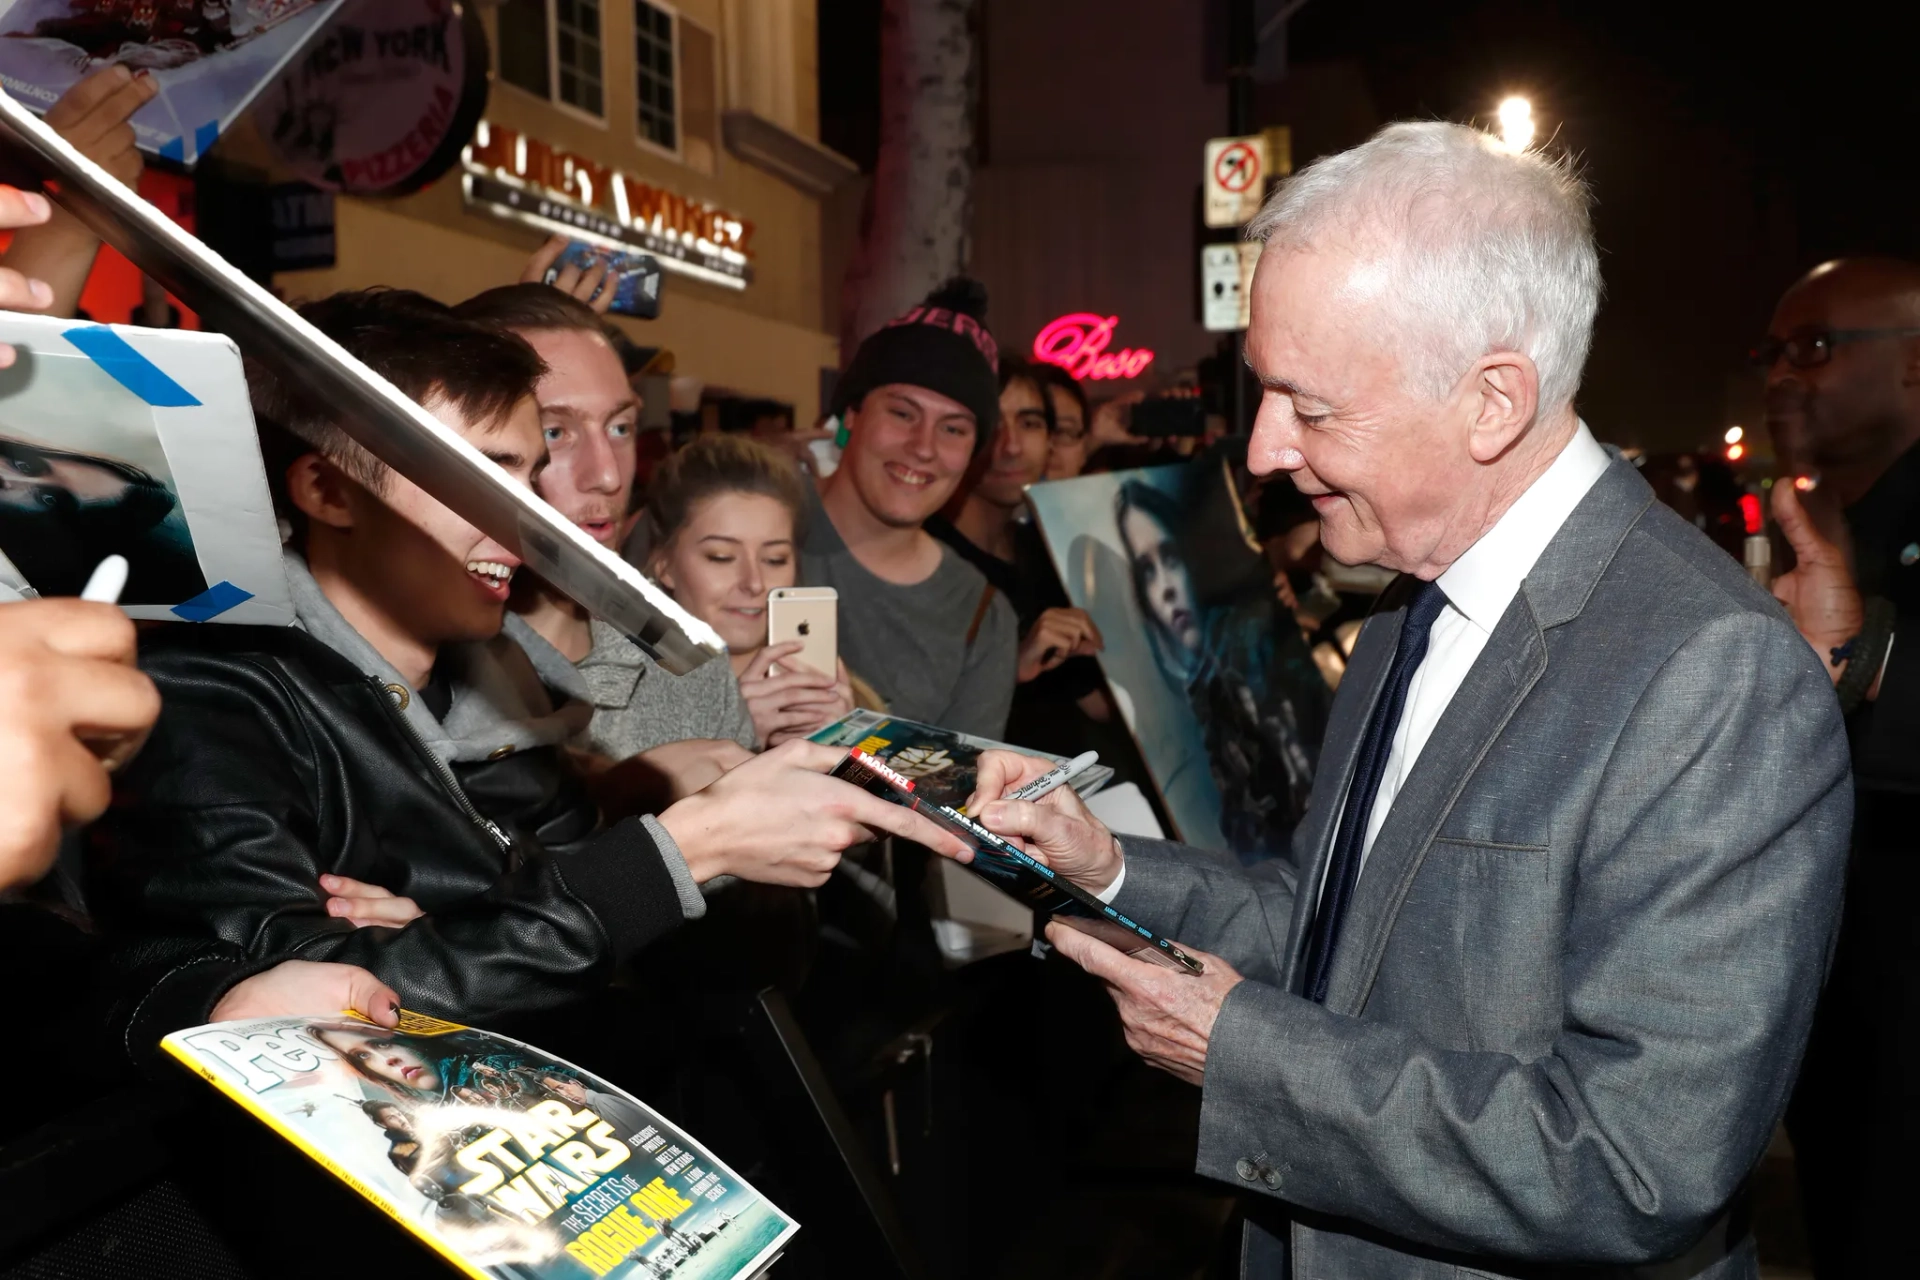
[(104, 450), (1211, 674), (210, 58)]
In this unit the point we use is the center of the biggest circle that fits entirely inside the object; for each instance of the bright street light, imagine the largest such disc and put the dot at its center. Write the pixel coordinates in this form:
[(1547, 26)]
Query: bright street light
[(1735, 435), (1516, 123)]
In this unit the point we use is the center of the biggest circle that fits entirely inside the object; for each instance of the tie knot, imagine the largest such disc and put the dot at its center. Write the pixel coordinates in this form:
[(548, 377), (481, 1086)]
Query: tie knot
[(1422, 611)]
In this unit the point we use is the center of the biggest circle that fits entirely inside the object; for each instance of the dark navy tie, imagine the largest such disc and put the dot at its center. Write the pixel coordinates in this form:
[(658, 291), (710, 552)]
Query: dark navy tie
[(1370, 766)]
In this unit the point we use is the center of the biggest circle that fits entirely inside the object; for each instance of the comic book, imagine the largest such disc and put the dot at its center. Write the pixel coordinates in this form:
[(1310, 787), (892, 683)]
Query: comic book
[(508, 1162), (941, 762), (210, 58)]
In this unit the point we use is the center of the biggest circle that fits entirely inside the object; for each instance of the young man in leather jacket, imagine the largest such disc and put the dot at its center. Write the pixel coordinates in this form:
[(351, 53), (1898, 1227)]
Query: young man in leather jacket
[(394, 737)]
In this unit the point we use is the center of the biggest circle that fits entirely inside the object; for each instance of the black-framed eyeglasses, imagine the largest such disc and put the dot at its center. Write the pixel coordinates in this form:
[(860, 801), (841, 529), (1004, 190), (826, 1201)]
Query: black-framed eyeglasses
[(1809, 348)]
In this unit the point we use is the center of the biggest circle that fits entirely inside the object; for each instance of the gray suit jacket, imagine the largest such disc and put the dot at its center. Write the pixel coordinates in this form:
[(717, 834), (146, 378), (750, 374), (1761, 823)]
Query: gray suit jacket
[(1571, 993)]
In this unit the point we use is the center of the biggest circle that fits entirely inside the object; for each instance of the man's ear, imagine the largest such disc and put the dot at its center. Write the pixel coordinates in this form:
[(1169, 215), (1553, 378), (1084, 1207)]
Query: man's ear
[(1503, 392), (322, 491)]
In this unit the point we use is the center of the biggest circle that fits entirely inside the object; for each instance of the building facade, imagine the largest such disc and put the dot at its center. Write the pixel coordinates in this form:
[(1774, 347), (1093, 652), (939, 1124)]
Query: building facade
[(686, 128)]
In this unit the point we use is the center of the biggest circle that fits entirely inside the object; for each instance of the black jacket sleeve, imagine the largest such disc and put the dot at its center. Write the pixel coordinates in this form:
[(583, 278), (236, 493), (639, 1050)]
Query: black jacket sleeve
[(1884, 731), (207, 868)]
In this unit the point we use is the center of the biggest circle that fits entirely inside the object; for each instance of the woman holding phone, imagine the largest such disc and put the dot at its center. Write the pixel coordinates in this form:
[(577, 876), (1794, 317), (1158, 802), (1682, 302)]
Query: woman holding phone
[(723, 517)]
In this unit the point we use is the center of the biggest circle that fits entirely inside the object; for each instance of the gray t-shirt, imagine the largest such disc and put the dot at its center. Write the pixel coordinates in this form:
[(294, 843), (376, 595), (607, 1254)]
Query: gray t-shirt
[(910, 642)]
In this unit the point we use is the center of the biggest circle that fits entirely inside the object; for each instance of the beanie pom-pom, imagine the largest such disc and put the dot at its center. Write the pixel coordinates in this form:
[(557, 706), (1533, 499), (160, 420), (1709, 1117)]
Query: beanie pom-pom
[(961, 295)]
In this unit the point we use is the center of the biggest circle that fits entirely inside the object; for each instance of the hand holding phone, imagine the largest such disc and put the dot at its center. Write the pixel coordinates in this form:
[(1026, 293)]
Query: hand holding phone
[(810, 616)]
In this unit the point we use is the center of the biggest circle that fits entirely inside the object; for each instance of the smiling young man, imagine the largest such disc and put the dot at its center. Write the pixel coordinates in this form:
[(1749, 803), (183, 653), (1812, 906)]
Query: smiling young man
[(922, 625), (395, 738)]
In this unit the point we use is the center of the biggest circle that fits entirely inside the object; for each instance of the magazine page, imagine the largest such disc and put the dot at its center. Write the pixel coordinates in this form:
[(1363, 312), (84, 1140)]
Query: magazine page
[(210, 58), (941, 762), (509, 1162), (137, 442)]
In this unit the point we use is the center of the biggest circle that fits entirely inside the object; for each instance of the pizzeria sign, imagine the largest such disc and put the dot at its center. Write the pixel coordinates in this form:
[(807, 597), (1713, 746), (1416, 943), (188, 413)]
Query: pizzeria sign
[(521, 179)]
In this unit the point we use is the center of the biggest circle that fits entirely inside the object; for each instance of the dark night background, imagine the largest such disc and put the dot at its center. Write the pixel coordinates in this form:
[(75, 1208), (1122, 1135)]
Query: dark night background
[(1729, 146)]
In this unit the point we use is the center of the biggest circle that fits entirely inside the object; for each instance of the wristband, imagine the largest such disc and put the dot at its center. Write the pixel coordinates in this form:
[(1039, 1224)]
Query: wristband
[(1865, 654)]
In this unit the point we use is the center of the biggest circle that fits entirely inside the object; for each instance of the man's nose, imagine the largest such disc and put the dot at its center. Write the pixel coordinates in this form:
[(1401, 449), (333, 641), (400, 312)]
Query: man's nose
[(595, 470), (921, 442), (1005, 443), (1276, 437)]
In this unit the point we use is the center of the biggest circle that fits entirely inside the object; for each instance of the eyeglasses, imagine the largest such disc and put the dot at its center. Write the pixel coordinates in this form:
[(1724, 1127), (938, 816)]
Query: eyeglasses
[(1810, 348)]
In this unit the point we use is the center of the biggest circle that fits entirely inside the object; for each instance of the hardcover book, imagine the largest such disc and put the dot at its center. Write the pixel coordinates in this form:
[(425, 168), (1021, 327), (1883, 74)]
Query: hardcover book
[(509, 1163)]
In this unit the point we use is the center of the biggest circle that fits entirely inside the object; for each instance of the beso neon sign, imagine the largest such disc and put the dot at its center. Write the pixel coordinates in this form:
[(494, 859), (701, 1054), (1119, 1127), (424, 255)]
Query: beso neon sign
[(1078, 342)]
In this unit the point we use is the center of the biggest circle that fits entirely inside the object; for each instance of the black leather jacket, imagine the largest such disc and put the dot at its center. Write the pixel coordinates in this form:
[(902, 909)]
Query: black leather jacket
[(274, 761)]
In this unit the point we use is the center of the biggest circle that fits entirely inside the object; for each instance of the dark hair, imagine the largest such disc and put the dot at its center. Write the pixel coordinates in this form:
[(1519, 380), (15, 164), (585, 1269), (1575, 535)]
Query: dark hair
[(530, 305), (414, 342), (1013, 369), (1138, 495), (56, 543), (716, 464), (1052, 375)]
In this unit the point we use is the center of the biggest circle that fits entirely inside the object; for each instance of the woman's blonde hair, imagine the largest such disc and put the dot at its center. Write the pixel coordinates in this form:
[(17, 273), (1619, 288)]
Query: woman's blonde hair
[(715, 464)]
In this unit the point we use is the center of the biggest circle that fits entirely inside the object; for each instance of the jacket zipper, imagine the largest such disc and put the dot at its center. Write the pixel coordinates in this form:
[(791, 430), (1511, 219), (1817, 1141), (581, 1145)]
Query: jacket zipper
[(442, 770)]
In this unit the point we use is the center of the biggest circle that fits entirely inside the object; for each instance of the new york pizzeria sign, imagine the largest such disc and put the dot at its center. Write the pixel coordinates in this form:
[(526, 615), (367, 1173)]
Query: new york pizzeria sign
[(511, 176)]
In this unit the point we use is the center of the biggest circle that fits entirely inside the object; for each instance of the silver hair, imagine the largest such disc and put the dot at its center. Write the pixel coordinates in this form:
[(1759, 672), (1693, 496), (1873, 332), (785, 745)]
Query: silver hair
[(1487, 249)]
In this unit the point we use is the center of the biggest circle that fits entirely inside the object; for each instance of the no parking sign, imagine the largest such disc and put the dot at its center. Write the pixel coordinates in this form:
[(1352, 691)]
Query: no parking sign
[(1236, 179)]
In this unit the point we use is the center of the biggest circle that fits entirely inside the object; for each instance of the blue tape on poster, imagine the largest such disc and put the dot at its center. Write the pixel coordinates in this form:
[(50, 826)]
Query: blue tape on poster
[(174, 149), (128, 367), (204, 137), (212, 602)]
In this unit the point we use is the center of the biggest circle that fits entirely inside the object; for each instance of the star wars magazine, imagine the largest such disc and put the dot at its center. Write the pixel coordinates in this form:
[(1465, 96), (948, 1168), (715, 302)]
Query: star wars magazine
[(510, 1164), (371, 410), (941, 762), (210, 58), (1014, 872)]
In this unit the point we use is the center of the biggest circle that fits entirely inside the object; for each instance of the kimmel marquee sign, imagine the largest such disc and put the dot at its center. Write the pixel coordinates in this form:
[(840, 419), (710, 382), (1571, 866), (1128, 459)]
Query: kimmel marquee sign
[(522, 179)]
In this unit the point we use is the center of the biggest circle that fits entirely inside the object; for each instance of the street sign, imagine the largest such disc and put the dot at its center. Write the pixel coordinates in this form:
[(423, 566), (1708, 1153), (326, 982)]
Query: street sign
[(1236, 179), (1226, 284)]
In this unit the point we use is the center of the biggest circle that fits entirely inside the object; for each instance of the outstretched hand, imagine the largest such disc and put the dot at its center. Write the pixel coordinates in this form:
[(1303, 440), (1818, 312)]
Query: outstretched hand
[(1820, 593), (1168, 1016), (777, 819)]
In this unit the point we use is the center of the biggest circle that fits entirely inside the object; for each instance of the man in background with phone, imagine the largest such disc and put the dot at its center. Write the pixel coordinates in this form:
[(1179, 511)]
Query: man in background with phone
[(918, 622)]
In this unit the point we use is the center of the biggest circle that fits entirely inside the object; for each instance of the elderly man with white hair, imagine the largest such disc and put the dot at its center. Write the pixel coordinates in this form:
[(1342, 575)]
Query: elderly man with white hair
[(1531, 993)]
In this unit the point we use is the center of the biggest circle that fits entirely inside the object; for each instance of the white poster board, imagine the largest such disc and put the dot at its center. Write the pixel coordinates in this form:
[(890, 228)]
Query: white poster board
[(138, 442)]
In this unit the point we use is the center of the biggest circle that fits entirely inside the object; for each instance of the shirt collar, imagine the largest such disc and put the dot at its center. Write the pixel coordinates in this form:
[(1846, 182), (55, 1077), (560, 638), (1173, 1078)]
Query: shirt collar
[(1484, 580)]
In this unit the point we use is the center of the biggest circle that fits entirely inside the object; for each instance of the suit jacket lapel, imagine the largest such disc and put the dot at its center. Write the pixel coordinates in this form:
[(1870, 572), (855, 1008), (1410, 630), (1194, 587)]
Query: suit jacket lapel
[(1359, 690), (1500, 679), (1505, 672)]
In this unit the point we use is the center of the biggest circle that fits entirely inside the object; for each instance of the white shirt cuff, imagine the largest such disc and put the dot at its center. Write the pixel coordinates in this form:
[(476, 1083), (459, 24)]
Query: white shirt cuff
[(1112, 891)]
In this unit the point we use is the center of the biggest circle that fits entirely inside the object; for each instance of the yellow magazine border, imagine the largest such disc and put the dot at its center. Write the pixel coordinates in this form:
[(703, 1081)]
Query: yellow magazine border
[(275, 1122)]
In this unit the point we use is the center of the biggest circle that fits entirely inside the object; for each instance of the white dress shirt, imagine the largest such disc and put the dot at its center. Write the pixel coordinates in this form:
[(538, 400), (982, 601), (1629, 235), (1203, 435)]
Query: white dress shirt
[(1479, 586)]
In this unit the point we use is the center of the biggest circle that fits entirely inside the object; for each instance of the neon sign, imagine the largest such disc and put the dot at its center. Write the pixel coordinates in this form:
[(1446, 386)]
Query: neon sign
[(1078, 341)]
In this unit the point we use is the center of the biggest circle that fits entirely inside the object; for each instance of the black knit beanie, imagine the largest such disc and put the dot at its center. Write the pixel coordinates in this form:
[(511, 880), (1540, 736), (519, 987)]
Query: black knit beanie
[(942, 345)]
